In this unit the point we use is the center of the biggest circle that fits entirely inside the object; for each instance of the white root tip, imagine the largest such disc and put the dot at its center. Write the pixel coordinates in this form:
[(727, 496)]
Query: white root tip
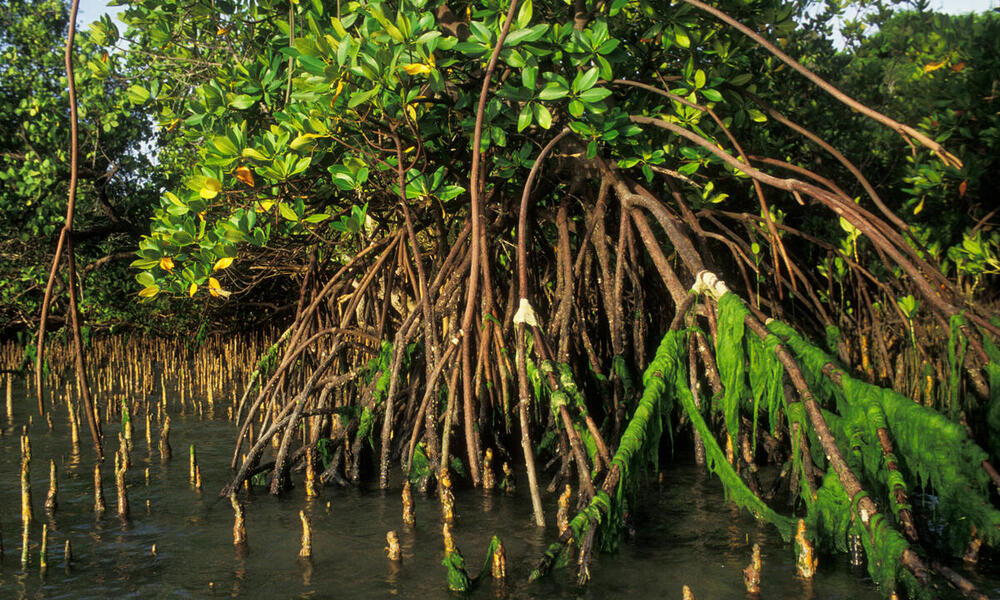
[(706, 281), (525, 314)]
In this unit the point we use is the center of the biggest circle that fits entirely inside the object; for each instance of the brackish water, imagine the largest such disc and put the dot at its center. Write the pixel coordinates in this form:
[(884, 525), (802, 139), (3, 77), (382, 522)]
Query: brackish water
[(684, 534)]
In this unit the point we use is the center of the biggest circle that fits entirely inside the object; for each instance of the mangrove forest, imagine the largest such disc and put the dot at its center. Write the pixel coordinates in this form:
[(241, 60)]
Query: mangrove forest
[(499, 298)]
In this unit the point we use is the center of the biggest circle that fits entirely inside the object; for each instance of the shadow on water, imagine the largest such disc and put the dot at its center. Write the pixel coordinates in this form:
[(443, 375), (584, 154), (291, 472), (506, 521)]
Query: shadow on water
[(684, 534)]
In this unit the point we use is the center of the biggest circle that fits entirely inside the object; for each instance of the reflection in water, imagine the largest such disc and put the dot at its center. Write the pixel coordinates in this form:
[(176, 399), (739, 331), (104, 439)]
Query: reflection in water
[(307, 571), (240, 572), (392, 575), (684, 533)]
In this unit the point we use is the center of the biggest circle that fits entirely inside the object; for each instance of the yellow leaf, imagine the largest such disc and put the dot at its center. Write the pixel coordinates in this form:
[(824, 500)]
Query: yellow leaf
[(919, 207), (222, 30), (149, 292), (245, 175), (192, 289), (417, 69), (167, 263), (211, 188), (264, 205), (215, 289), (222, 263), (933, 66), (412, 112)]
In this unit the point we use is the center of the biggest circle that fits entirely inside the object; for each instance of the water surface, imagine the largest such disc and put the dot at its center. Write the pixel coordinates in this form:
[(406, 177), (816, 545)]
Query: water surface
[(685, 533)]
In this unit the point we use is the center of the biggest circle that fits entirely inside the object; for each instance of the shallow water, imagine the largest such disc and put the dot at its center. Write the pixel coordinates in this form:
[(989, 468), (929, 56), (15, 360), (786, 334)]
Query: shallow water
[(685, 534)]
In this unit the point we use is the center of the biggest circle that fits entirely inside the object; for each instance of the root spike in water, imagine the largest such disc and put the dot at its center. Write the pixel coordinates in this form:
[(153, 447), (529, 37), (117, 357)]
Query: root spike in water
[(120, 470), (43, 551), (193, 463), (312, 489), (99, 505), (165, 450), (408, 513), (306, 550), (562, 514), (805, 561), (392, 546), (26, 510), (751, 574), (489, 480), (239, 524), (498, 562), (25, 540), (50, 497)]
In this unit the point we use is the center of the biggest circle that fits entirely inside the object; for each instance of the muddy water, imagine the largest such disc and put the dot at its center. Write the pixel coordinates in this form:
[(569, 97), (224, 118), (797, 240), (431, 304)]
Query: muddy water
[(684, 534)]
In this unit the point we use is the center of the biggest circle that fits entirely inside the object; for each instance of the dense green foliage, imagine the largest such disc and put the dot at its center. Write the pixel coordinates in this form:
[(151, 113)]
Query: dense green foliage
[(369, 164), (935, 71), (231, 91), (291, 134), (117, 176), (938, 71)]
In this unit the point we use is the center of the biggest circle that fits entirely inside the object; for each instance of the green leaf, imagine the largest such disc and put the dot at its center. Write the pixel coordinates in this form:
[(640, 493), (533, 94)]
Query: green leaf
[(343, 50), (681, 38), (689, 168), (585, 81), (361, 97), (543, 116), (481, 32), (98, 33), (138, 94), (287, 212), (254, 154), (524, 117), (524, 14), (242, 101), (711, 95), (145, 278), (608, 46), (304, 142), (699, 79), (741, 79), (595, 95), (173, 199), (516, 37), (514, 59), (144, 263), (553, 91), (210, 188), (449, 192), (317, 218), (224, 145), (528, 77)]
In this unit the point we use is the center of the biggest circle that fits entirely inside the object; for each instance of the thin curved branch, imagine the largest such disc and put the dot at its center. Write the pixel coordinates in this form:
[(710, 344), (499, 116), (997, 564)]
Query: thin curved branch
[(904, 130), (470, 304)]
